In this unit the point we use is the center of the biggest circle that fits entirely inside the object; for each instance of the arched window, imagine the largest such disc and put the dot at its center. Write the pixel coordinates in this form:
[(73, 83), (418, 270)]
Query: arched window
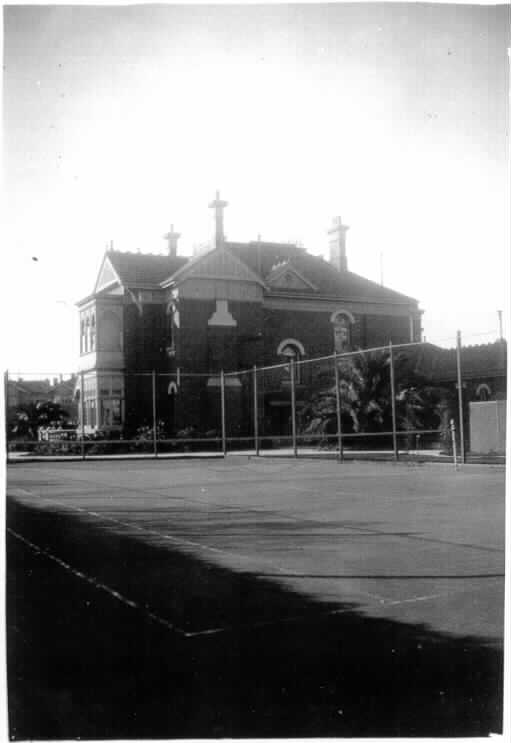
[(483, 392), (292, 350), (342, 321)]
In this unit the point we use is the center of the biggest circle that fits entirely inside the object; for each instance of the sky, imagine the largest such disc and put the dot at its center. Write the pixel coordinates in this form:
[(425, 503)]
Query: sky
[(119, 121)]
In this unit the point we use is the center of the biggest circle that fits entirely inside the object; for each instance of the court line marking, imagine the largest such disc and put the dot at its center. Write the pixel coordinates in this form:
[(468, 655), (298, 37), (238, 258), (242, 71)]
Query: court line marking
[(99, 585), (236, 555), (156, 617), (292, 518), (189, 543), (380, 600), (198, 633), (95, 582)]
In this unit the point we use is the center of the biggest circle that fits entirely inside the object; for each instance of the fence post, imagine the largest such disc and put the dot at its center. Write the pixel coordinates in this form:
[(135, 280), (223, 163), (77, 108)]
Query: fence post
[(460, 397), (453, 435), (222, 403), (338, 409), (393, 403), (82, 415), (155, 434), (256, 417), (293, 407)]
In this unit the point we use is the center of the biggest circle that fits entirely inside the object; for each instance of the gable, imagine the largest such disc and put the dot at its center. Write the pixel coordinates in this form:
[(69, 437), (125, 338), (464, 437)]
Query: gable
[(219, 263), (107, 275), (285, 276)]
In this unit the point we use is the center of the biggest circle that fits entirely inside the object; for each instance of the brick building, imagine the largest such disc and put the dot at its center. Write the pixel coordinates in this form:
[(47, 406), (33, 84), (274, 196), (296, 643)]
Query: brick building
[(231, 307)]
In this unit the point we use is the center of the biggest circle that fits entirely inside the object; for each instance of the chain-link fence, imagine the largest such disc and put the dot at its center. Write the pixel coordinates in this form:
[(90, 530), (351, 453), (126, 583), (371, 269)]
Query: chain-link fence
[(388, 402)]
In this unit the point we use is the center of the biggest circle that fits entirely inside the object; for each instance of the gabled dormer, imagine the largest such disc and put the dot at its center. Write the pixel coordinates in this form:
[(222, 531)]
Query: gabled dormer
[(217, 274), (285, 277)]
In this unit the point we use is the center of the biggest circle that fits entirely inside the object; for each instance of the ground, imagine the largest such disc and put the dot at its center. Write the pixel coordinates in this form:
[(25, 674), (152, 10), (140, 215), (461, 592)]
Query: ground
[(254, 597)]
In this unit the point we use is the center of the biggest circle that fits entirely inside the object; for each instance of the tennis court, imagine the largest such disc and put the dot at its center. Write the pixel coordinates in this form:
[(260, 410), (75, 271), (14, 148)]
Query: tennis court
[(376, 589)]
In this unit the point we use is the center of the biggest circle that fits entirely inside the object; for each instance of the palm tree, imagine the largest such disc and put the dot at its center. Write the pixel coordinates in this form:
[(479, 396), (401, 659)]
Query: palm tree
[(366, 400)]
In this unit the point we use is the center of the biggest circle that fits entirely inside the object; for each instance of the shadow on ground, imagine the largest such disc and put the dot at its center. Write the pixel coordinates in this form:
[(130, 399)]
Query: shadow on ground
[(83, 664)]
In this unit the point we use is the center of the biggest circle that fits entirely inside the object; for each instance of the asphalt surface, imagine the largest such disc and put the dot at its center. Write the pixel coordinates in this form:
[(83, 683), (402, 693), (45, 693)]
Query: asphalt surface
[(254, 598)]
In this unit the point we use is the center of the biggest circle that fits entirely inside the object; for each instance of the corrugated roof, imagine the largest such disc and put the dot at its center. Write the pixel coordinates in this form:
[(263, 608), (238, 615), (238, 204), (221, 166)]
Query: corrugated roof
[(142, 269), (263, 257)]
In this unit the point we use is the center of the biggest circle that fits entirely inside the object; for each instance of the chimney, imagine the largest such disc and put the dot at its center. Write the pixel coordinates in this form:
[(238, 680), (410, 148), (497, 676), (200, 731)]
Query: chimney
[(172, 238), (218, 205), (337, 244)]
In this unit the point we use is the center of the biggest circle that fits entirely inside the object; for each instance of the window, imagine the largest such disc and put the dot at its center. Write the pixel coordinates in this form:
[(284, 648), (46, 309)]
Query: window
[(92, 331), (89, 401), (110, 333), (483, 392), (87, 331), (103, 397), (342, 322), (111, 412), (292, 350), (171, 321), (111, 393)]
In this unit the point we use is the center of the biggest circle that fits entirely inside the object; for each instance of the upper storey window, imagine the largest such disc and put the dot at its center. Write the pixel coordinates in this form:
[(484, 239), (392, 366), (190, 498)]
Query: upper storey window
[(342, 322), (292, 350), (88, 331), (110, 332)]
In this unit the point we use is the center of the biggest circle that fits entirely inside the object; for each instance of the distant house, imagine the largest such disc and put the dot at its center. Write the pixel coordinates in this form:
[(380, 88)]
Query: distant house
[(231, 307), (483, 368), (23, 392), (483, 371)]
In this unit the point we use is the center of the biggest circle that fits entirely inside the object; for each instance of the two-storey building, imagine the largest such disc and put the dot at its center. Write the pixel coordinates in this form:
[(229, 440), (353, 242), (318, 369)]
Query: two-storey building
[(233, 306)]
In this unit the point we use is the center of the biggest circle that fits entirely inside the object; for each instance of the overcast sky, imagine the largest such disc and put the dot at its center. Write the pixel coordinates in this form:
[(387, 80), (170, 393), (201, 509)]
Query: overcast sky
[(119, 121)]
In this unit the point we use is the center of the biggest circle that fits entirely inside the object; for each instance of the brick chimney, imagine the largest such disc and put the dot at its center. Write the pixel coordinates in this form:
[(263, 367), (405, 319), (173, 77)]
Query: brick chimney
[(172, 238), (337, 244), (219, 205)]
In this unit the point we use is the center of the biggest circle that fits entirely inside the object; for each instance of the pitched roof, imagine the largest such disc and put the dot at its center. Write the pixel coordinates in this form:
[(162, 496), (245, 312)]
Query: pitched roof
[(142, 269), (263, 257)]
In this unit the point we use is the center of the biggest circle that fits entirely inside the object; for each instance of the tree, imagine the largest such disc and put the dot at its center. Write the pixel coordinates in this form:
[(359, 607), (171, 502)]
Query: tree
[(366, 400), (27, 419)]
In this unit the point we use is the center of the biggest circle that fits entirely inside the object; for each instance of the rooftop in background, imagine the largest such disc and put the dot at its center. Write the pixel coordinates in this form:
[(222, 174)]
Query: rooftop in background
[(486, 359)]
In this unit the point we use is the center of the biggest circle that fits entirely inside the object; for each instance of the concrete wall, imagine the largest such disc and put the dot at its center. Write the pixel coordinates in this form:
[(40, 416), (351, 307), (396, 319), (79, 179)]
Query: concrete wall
[(488, 426)]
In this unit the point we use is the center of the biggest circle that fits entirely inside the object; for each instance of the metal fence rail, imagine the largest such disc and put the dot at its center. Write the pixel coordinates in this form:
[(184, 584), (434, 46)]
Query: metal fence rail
[(302, 406)]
